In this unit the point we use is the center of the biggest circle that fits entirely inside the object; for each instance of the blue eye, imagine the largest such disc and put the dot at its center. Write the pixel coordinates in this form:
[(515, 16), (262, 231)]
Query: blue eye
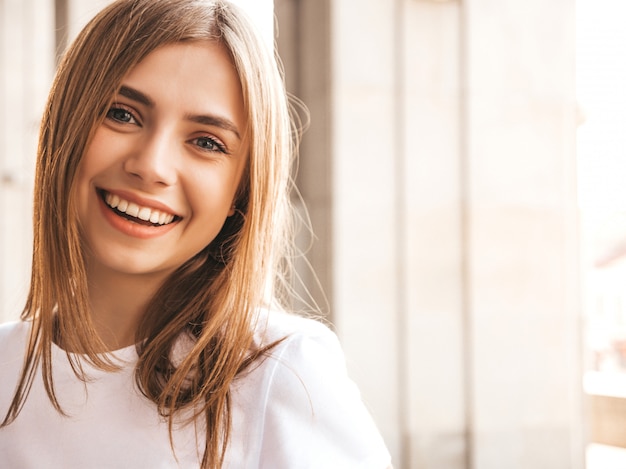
[(121, 115), (209, 144)]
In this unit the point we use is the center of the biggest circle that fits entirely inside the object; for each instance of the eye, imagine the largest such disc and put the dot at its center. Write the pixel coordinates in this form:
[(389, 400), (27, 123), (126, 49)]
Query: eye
[(209, 144), (121, 115)]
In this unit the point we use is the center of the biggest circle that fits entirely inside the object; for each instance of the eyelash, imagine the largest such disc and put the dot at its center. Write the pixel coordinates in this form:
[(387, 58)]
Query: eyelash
[(219, 147), (117, 108)]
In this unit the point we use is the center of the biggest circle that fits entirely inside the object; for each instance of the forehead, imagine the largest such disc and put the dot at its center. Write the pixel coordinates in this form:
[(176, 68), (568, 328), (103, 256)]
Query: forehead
[(196, 76)]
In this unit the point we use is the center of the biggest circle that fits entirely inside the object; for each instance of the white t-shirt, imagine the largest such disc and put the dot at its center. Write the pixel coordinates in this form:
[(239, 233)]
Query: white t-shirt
[(296, 409)]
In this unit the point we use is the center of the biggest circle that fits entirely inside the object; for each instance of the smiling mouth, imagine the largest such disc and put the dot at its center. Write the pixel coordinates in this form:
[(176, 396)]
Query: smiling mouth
[(137, 213)]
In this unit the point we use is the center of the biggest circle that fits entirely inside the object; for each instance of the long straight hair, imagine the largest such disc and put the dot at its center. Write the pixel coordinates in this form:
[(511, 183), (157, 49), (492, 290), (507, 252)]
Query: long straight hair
[(214, 295)]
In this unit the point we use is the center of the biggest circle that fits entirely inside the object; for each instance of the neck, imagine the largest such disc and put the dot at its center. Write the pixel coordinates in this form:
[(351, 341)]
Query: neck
[(118, 302)]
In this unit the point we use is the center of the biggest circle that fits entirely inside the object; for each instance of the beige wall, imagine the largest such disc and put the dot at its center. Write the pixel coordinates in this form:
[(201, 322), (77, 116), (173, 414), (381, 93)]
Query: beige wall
[(26, 65), (523, 248), (439, 170)]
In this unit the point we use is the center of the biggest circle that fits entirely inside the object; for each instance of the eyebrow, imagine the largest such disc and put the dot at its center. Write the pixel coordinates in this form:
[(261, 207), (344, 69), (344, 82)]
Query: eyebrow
[(215, 121), (136, 95)]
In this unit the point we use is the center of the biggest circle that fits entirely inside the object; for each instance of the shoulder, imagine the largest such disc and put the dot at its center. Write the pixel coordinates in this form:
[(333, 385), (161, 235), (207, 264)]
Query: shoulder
[(305, 350), (307, 363), (300, 349), (275, 325), (312, 412)]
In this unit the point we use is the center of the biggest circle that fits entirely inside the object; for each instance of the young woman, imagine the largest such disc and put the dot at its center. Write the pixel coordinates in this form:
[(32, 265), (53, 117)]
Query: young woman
[(152, 336)]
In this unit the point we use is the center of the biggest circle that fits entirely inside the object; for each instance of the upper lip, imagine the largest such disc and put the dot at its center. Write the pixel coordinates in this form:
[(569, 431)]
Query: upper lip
[(142, 201)]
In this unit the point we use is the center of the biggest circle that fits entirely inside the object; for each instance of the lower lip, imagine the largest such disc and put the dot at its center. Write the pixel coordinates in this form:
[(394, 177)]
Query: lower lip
[(130, 228)]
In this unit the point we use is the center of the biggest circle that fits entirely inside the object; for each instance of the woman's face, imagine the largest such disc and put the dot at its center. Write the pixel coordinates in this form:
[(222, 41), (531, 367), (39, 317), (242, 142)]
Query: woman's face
[(159, 178)]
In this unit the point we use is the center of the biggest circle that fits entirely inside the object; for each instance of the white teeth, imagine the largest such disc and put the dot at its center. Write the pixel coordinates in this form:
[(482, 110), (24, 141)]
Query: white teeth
[(164, 219), (134, 210), (144, 213), (115, 200), (122, 206)]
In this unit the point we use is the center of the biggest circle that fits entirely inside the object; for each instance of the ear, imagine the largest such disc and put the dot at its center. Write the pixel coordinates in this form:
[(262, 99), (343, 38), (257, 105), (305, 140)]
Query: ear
[(232, 210)]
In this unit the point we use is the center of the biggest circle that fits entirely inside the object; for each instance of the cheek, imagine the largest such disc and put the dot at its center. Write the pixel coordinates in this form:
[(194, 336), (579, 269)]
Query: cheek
[(210, 205), (88, 165), (105, 147), (92, 163), (81, 182), (215, 189)]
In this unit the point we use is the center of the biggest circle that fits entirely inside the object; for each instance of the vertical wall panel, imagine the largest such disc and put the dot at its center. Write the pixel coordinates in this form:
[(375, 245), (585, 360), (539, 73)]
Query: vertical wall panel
[(434, 257), (364, 233), (523, 311), (26, 64), (304, 45)]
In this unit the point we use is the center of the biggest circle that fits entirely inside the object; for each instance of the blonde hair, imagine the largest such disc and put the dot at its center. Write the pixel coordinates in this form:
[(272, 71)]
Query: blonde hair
[(214, 295)]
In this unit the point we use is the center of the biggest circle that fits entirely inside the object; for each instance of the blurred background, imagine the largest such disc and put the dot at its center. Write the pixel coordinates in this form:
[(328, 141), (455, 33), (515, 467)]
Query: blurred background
[(463, 172)]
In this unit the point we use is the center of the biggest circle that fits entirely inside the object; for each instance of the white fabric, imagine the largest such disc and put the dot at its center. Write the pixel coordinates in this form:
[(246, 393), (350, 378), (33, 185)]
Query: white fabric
[(296, 409)]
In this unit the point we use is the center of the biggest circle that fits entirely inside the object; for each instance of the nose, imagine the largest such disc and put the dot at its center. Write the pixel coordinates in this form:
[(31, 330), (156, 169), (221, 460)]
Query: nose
[(153, 162)]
